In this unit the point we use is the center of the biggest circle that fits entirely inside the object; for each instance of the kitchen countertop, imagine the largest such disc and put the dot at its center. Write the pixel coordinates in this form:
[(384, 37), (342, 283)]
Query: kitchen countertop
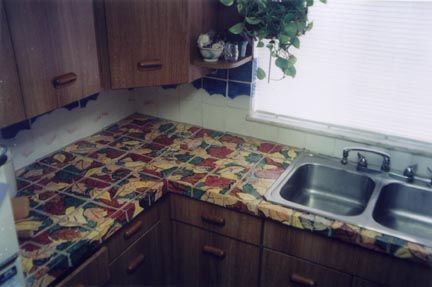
[(81, 195)]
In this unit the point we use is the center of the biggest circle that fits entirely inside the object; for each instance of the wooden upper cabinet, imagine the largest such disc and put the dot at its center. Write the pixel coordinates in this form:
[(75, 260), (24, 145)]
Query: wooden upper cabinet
[(56, 53), (12, 107), (147, 42), (151, 42)]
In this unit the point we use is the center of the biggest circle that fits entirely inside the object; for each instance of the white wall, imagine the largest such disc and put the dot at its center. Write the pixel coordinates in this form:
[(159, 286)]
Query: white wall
[(61, 127), (187, 104)]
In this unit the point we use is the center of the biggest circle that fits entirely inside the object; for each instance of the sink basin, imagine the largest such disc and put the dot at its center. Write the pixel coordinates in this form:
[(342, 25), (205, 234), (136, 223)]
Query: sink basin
[(369, 198), (406, 209), (329, 189)]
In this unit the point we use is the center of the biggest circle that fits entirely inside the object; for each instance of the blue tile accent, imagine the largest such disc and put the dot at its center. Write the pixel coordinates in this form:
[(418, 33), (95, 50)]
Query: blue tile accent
[(166, 87), (84, 102), (242, 73), (71, 106), (213, 86), (238, 89), (12, 130), (221, 74), (197, 84)]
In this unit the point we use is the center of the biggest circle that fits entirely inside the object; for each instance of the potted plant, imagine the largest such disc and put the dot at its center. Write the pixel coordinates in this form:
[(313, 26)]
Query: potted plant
[(281, 22)]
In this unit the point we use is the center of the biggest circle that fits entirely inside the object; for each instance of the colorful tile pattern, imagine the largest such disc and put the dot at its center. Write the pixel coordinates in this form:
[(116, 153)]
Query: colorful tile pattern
[(80, 196)]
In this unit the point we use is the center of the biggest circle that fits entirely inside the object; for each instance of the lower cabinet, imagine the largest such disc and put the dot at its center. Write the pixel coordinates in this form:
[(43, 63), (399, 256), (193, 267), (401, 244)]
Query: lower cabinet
[(203, 258), (279, 269), (93, 272), (141, 264)]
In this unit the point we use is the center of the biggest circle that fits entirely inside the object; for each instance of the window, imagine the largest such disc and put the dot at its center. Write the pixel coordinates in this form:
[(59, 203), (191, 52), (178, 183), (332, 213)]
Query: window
[(364, 71)]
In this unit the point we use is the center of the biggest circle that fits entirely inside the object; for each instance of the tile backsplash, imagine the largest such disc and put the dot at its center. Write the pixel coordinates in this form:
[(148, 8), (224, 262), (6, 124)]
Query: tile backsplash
[(219, 101), (65, 125)]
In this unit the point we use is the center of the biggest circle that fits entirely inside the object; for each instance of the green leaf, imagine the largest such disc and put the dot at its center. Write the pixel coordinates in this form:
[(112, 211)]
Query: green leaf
[(324, 1), (260, 44), (301, 26), (292, 59), (295, 42), (237, 28), (309, 2), (260, 74), (227, 2), (309, 26), (284, 38), (290, 71), (290, 29), (270, 46), (253, 20), (282, 63)]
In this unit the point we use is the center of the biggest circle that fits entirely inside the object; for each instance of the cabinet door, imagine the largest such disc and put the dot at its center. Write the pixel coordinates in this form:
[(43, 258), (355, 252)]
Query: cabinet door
[(55, 48), (142, 263), (202, 258), (12, 106), (148, 42), (93, 272), (283, 270)]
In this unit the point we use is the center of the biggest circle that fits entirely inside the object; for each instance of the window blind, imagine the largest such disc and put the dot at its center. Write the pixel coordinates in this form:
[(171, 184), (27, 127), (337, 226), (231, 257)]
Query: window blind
[(366, 66)]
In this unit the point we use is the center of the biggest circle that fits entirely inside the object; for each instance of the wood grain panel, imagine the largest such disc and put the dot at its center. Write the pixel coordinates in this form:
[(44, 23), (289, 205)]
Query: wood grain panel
[(93, 272), (53, 38), (142, 263), (147, 30), (239, 265), (345, 257), (131, 232), (283, 270), (12, 106), (237, 225)]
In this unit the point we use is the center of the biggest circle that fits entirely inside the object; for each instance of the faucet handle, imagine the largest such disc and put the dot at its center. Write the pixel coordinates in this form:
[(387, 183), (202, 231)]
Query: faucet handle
[(410, 172), (362, 161)]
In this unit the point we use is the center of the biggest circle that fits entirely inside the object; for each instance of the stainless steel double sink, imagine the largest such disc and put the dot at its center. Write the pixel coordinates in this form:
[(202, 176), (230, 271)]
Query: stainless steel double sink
[(375, 200)]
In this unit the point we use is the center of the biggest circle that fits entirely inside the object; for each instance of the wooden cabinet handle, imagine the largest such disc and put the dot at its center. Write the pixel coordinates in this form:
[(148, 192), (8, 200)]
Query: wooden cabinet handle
[(149, 65), (299, 279), (220, 221), (216, 252), (133, 229), (134, 264), (64, 79)]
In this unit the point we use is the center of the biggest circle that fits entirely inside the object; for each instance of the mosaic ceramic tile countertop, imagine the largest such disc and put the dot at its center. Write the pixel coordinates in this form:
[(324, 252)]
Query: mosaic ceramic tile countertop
[(83, 194)]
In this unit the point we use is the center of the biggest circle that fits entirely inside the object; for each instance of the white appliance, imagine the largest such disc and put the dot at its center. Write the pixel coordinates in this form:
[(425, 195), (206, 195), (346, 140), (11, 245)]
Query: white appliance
[(7, 170), (11, 274)]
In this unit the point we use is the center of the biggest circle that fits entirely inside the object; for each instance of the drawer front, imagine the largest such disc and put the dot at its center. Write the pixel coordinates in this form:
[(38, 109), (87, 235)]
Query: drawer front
[(230, 223), (93, 272), (203, 258), (131, 232), (141, 264), (283, 270)]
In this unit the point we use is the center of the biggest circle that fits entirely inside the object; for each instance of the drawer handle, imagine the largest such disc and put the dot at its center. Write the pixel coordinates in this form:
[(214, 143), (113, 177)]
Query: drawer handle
[(134, 264), (149, 65), (65, 79), (216, 252), (296, 278), (213, 219), (133, 229)]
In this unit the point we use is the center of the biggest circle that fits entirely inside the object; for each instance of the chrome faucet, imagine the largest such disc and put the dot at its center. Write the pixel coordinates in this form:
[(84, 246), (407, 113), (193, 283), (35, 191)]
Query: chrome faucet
[(362, 160), (410, 172)]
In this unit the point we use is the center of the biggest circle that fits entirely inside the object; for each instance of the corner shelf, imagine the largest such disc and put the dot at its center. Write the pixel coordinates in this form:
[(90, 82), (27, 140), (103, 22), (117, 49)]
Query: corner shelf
[(221, 64)]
